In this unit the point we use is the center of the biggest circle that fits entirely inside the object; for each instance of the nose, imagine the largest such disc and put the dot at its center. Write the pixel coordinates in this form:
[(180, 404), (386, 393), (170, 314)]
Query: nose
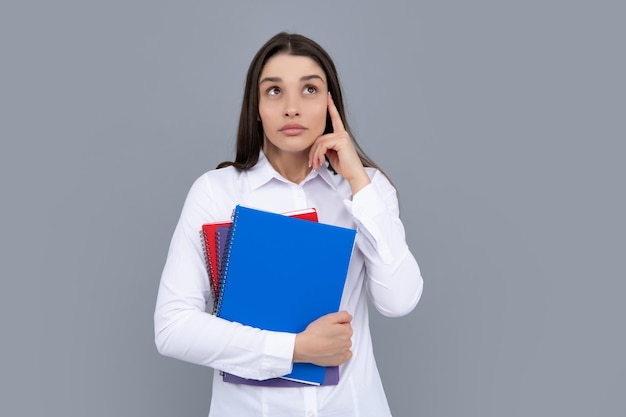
[(292, 107)]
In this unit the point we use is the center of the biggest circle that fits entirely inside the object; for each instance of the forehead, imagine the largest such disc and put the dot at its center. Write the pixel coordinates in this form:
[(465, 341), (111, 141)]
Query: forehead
[(288, 67)]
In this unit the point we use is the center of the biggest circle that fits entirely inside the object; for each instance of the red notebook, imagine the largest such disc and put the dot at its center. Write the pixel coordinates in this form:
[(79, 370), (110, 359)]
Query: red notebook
[(211, 255)]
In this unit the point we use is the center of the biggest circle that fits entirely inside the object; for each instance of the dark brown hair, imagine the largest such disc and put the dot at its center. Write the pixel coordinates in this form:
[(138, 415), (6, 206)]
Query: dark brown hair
[(250, 132)]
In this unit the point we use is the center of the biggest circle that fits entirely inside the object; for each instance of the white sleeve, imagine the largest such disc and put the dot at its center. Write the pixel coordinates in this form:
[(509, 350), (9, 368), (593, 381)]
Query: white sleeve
[(183, 330), (394, 281)]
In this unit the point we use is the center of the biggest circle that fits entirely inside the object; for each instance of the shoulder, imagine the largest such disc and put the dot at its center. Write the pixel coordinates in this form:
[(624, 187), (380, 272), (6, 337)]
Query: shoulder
[(215, 178), (222, 174), (212, 193)]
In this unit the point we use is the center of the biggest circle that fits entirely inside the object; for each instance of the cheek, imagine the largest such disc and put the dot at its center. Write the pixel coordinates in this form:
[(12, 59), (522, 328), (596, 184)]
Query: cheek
[(266, 112), (320, 118), (316, 109)]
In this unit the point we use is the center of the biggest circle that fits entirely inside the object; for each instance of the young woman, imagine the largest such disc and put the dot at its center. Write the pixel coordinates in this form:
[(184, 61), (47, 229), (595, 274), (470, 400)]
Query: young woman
[(294, 151)]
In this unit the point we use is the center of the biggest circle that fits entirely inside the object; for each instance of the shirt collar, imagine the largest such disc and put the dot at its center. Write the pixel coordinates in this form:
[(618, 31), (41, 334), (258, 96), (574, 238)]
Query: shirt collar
[(327, 175), (263, 172)]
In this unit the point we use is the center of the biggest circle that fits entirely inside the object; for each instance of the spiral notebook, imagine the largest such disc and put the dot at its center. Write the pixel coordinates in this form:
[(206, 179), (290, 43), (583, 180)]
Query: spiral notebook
[(281, 273), (332, 372)]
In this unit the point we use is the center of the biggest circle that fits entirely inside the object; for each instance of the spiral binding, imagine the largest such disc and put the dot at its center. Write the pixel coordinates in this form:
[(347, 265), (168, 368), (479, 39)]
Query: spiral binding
[(220, 254), (225, 263), (207, 257)]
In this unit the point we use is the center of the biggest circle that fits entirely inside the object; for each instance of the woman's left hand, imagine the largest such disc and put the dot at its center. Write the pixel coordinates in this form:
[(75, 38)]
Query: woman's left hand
[(339, 149)]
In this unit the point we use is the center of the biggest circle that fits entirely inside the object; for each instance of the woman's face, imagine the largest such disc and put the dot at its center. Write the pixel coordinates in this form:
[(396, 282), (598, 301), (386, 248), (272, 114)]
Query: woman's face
[(292, 102)]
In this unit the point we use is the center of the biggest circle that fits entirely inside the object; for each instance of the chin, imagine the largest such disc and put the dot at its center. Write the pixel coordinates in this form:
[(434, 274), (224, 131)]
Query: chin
[(292, 145)]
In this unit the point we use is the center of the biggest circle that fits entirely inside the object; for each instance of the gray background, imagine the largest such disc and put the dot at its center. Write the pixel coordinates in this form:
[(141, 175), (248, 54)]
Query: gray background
[(501, 123)]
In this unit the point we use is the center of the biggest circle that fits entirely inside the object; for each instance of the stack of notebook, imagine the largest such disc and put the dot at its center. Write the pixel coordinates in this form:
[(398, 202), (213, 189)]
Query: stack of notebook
[(278, 272)]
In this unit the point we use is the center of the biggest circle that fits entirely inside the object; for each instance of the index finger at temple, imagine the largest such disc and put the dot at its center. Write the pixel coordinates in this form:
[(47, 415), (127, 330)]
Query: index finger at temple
[(335, 117)]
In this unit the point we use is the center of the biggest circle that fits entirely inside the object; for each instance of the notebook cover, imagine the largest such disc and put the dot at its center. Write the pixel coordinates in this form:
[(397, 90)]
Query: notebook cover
[(281, 274)]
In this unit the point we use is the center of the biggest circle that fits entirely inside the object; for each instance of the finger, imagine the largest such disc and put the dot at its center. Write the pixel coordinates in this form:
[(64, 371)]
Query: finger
[(317, 154), (313, 157), (335, 117), (343, 317)]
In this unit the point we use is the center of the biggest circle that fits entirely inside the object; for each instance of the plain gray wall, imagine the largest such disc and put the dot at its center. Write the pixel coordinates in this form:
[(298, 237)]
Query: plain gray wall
[(501, 123)]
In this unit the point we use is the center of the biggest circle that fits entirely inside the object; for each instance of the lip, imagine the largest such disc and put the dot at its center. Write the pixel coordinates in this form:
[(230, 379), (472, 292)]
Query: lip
[(292, 129)]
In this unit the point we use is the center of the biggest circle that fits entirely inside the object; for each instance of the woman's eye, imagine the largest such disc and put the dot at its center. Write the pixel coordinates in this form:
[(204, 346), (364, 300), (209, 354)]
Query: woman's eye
[(309, 89), (273, 91)]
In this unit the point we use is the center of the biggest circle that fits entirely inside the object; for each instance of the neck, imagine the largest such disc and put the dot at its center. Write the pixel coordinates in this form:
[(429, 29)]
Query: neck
[(292, 166)]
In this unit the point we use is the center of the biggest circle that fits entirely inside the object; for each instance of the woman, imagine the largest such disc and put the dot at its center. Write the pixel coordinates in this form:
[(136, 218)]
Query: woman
[(294, 150)]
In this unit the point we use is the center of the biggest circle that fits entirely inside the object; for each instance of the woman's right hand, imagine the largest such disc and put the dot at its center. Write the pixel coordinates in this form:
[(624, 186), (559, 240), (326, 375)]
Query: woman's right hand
[(326, 341)]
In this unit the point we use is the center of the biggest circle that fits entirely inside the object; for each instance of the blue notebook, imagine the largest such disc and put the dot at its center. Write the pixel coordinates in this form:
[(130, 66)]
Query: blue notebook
[(281, 273), (332, 372)]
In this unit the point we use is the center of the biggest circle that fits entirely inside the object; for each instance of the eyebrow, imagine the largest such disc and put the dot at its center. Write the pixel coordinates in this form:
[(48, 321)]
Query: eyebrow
[(278, 79)]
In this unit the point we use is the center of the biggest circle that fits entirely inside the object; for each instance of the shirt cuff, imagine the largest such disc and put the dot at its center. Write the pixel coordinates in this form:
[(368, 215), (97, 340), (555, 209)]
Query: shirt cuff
[(278, 358)]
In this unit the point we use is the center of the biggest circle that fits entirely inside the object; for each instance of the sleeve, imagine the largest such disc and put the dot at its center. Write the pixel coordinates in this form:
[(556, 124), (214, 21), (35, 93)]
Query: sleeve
[(185, 331), (393, 277)]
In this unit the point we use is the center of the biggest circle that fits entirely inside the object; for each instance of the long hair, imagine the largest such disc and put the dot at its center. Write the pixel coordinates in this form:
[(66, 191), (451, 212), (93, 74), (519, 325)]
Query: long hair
[(250, 133)]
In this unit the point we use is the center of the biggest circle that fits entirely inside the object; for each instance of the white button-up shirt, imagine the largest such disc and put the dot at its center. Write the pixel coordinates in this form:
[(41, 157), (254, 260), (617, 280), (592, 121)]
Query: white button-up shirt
[(381, 266)]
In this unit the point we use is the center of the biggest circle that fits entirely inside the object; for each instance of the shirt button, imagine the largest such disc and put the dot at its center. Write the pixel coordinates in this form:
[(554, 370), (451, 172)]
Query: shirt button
[(299, 195)]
